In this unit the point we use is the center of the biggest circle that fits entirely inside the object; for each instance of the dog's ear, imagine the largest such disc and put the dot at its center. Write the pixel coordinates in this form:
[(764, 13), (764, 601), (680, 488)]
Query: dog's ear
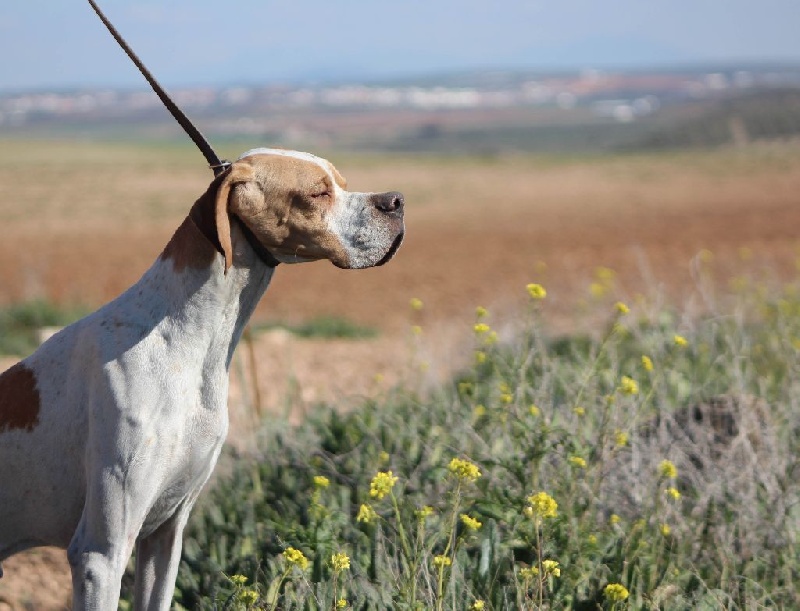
[(238, 173)]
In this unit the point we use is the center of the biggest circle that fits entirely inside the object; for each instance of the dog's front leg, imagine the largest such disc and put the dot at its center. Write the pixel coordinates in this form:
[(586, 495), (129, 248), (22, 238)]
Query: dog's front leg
[(100, 547), (157, 558)]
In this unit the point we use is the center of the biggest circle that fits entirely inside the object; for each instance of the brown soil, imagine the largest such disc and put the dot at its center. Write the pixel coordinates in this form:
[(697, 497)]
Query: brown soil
[(81, 223)]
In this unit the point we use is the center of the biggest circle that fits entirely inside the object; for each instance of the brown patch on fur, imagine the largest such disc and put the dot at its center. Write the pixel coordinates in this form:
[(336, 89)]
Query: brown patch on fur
[(188, 247), (19, 399)]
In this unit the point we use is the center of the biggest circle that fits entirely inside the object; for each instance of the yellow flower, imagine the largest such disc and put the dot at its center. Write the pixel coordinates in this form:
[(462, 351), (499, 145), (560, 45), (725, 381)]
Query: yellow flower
[(248, 597), (479, 411), (464, 470), (534, 411), (597, 290), (238, 580), (592, 539), (647, 363), (442, 560), (416, 330), (536, 291), (416, 304), (341, 603), (480, 356), (577, 461), (615, 593), (542, 505), (383, 457), (465, 388), (529, 572), (382, 484), (620, 438), (668, 469), (294, 557), (614, 519), (579, 411), (340, 562), (680, 341), (366, 514), (481, 327), (507, 398), (478, 605), (481, 312), (664, 529), (470, 522), (621, 308), (490, 338), (628, 386), (551, 568), (320, 481), (423, 512), (673, 493)]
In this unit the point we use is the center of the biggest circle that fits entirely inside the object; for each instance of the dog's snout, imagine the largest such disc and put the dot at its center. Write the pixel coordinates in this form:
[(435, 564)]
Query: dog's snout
[(389, 202)]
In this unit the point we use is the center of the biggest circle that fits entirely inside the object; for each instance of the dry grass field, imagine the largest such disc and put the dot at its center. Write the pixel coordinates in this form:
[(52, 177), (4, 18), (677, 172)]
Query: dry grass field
[(81, 222)]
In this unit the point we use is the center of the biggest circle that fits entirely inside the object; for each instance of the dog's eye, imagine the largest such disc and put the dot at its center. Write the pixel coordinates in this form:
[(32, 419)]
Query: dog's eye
[(323, 193)]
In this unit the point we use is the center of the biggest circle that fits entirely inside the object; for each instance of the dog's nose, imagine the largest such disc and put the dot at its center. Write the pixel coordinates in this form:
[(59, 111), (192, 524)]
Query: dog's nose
[(389, 202)]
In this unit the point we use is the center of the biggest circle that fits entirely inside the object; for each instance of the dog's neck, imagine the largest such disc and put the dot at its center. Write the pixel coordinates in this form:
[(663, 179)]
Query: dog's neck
[(196, 300)]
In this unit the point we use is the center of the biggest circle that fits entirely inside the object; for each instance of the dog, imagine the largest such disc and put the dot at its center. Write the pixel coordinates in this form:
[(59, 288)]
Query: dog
[(109, 431)]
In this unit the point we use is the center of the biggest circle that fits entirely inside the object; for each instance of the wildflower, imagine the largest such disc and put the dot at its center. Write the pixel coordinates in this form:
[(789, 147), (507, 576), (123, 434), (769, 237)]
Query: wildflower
[(668, 469), (481, 327), (247, 596), (416, 304), (441, 560), (620, 438), (506, 398), (477, 605), (383, 457), (621, 308), (592, 539), (551, 568), (605, 274), (470, 522), (416, 330), (294, 557), (615, 592), (614, 519), (529, 572), (490, 338), (480, 356), (680, 341), (579, 411), (664, 529), (536, 291), (628, 386), (366, 514), (465, 388), (597, 290), (382, 484), (577, 461), (479, 411), (238, 580), (340, 562), (464, 470), (542, 505), (534, 411), (341, 603), (481, 312), (423, 512), (647, 363), (320, 481), (673, 493)]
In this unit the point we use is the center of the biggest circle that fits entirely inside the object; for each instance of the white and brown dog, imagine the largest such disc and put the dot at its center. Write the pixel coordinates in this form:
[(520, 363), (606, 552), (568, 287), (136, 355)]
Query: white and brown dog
[(111, 428)]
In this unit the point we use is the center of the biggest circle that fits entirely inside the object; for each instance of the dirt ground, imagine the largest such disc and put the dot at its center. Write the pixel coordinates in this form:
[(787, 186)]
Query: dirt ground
[(81, 222)]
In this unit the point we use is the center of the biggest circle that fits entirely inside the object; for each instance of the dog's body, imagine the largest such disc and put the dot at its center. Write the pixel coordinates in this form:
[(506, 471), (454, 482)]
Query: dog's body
[(109, 431)]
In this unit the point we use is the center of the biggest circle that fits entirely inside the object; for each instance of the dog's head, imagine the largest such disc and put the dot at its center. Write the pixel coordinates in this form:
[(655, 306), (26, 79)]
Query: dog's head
[(297, 206)]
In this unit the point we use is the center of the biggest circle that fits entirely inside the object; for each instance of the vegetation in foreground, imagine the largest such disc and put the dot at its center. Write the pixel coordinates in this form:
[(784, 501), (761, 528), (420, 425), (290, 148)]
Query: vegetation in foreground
[(654, 466)]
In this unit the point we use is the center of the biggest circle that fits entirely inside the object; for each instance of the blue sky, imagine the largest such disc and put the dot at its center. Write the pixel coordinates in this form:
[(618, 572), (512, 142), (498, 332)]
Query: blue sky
[(61, 43)]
